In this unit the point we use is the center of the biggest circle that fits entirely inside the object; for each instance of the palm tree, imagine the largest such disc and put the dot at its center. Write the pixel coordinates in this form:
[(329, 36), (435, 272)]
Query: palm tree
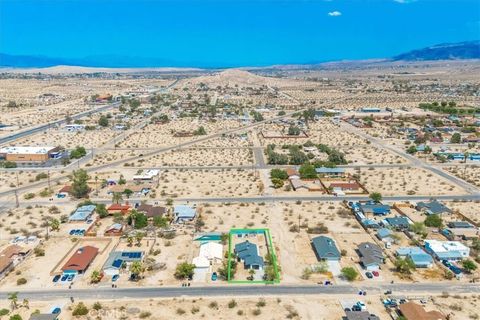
[(130, 241), (95, 277), (139, 237), (137, 268), (26, 303), (117, 197), (132, 217), (13, 297), (55, 225)]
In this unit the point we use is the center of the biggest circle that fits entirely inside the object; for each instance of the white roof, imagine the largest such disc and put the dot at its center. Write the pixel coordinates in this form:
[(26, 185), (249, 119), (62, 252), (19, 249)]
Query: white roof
[(26, 150), (201, 262), (446, 246), (146, 175), (211, 250)]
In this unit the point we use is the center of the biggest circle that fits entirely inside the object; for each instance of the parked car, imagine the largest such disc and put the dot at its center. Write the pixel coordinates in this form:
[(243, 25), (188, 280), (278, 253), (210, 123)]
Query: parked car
[(70, 277), (214, 276), (56, 278), (64, 278), (56, 310), (115, 277), (376, 273), (369, 275)]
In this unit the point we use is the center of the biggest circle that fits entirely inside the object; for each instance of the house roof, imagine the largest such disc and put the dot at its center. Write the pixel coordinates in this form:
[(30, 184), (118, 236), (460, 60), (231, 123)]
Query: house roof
[(248, 252), (82, 213), (325, 247), (118, 206), (375, 208), (370, 254), (329, 170), (397, 221), (201, 262), (345, 185), (81, 259), (414, 311), (211, 250), (116, 227), (433, 207), (116, 258), (7, 254), (151, 211), (460, 224), (65, 189), (383, 233), (183, 211), (292, 172)]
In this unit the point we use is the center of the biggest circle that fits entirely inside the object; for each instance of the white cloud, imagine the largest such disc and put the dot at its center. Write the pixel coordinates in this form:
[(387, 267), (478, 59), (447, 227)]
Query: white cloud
[(335, 14)]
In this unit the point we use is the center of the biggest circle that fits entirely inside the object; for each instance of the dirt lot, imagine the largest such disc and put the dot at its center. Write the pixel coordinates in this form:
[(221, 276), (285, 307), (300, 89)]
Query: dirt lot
[(406, 181)]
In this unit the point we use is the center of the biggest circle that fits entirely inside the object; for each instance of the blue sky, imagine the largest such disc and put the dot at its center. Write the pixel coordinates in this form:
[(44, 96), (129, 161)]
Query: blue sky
[(233, 33)]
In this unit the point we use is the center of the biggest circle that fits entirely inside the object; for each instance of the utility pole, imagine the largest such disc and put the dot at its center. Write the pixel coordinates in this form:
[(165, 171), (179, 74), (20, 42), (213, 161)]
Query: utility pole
[(48, 177), (17, 204)]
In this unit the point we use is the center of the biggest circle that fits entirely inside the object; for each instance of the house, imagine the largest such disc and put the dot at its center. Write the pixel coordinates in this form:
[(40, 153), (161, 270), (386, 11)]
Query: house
[(74, 127), (461, 233), (137, 189), (29, 154), (248, 253), (83, 213), (152, 211), (298, 184), (10, 257), (371, 255), (115, 229), (64, 191), (325, 248), (80, 260), (397, 223), (148, 175), (359, 315), (292, 173), (375, 208), (117, 259), (413, 311), (447, 250), (384, 233), (420, 258), (370, 109), (119, 208), (183, 213), (330, 172), (460, 224), (212, 251), (208, 236), (345, 186), (432, 207)]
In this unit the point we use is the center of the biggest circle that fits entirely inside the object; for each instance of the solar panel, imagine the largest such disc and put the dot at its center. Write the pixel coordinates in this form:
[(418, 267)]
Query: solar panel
[(117, 263)]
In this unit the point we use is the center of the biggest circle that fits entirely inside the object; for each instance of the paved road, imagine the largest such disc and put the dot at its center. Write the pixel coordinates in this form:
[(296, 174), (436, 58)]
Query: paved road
[(242, 290), (45, 126)]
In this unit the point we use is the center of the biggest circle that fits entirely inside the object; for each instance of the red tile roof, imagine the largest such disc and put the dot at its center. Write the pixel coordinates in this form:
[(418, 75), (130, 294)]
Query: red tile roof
[(81, 259)]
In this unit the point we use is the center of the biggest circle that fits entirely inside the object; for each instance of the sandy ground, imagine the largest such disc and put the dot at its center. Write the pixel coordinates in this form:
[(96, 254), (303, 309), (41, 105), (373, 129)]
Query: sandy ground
[(401, 181)]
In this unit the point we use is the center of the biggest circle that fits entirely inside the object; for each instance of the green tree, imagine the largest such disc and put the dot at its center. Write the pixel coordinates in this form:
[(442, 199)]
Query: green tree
[(349, 273), (184, 270), (405, 266), (103, 121), (101, 210), (55, 224), (128, 193), (456, 138), (376, 196), (279, 174), (469, 265), (418, 228), (137, 268), (434, 220), (15, 317), (412, 149), (277, 183), (78, 152), (95, 277), (160, 222), (13, 297), (307, 171), (200, 131), (117, 197), (80, 310), (80, 187), (293, 131)]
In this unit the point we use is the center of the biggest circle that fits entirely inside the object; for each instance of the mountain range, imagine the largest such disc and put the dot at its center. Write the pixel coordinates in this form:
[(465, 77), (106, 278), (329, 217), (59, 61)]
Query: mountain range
[(445, 51)]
